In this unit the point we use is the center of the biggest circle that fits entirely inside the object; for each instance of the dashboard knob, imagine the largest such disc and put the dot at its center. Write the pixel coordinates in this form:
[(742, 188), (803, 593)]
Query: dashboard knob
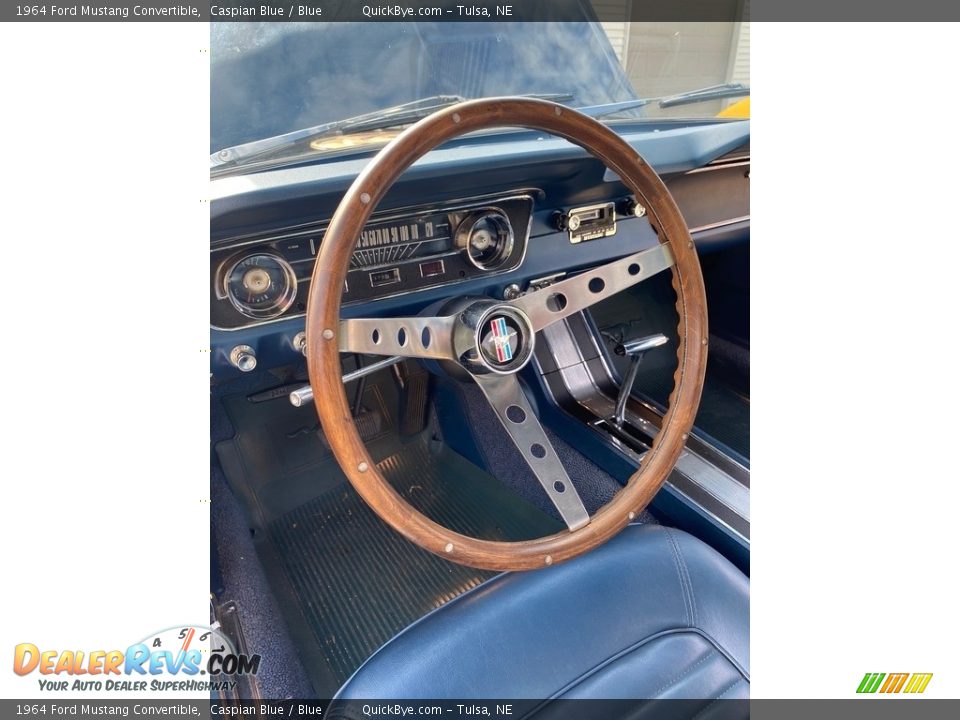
[(629, 206), (300, 342), (511, 292), (558, 219), (243, 358)]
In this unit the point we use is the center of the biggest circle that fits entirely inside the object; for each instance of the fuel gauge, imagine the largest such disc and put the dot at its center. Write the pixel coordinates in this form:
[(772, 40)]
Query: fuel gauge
[(261, 285)]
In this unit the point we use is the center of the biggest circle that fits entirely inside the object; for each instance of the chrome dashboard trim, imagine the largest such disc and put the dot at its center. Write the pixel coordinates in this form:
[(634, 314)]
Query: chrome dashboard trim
[(400, 213), (228, 296), (719, 224), (720, 165)]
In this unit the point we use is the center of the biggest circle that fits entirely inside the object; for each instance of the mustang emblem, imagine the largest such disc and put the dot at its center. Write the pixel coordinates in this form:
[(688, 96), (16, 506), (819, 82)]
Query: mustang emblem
[(501, 339)]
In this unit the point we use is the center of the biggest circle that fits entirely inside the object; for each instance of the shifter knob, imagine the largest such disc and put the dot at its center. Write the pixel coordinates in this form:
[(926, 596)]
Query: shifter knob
[(635, 350), (640, 345)]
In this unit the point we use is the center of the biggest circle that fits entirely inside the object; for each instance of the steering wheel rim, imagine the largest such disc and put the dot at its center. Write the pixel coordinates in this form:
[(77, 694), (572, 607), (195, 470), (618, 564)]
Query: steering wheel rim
[(323, 331)]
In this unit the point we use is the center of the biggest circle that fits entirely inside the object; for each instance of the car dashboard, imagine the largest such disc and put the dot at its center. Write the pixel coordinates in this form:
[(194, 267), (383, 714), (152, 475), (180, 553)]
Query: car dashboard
[(267, 277), (489, 215)]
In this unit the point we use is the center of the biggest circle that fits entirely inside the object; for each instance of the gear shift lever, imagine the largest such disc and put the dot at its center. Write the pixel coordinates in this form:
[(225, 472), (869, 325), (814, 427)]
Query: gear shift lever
[(635, 349)]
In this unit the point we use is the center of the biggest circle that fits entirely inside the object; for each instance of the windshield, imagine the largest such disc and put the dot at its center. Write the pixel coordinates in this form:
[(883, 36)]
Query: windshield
[(268, 79)]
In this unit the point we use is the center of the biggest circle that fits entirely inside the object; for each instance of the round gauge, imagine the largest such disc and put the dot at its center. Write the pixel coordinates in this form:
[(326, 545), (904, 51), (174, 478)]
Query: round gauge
[(261, 285), (486, 237)]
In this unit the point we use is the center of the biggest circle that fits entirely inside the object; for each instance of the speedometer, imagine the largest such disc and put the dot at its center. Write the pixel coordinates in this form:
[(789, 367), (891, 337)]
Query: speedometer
[(486, 237), (261, 285)]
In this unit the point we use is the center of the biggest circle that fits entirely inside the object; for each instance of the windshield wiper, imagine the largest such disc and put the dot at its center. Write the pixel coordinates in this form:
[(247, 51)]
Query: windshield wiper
[(596, 111), (396, 115), (714, 92)]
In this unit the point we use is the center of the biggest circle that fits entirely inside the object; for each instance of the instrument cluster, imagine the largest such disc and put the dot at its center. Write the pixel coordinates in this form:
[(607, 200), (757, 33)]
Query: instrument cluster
[(262, 279)]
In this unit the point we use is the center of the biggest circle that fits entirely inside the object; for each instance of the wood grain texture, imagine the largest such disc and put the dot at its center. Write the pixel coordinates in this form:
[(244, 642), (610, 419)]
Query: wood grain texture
[(323, 313)]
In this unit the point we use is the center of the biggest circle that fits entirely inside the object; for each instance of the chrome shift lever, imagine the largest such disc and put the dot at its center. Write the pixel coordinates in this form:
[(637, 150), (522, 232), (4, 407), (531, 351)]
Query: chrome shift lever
[(635, 349)]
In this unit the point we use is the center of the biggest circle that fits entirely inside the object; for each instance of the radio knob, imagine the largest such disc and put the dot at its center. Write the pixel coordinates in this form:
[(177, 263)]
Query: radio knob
[(629, 206), (558, 219)]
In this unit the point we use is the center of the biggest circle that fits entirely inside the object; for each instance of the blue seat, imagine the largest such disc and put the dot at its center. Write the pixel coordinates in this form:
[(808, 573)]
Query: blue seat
[(654, 613)]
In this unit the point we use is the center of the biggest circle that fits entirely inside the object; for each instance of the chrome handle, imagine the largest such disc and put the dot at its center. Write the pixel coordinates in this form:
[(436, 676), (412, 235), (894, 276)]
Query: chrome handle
[(301, 396), (638, 347), (635, 349), (243, 358)]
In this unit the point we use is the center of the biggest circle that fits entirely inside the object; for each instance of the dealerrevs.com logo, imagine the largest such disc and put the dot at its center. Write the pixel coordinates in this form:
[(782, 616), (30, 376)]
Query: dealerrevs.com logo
[(910, 683), (183, 659)]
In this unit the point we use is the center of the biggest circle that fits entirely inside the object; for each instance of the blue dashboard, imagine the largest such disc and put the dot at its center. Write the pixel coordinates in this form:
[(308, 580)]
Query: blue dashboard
[(280, 213)]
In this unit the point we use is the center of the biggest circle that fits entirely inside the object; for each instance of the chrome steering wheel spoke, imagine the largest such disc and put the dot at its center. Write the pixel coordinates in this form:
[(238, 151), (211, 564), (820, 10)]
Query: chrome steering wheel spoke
[(505, 395), (562, 299), (416, 337)]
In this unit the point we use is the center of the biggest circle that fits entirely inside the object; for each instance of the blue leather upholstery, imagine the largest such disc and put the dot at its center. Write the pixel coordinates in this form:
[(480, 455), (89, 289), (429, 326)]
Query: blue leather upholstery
[(654, 613)]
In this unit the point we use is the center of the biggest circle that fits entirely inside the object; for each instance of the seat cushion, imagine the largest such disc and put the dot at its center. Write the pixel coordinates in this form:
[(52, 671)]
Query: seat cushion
[(654, 613)]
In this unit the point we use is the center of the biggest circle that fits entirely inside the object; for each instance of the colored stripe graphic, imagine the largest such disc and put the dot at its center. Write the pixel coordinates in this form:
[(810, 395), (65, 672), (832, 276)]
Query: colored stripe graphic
[(918, 682), (870, 682), (501, 339), (895, 683)]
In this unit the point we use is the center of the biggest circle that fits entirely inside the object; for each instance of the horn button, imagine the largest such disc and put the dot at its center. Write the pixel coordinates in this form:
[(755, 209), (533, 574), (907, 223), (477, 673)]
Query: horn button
[(500, 340), (492, 338)]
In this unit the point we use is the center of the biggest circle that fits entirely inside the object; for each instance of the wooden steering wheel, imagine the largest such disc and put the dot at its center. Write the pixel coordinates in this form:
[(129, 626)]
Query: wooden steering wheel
[(492, 340)]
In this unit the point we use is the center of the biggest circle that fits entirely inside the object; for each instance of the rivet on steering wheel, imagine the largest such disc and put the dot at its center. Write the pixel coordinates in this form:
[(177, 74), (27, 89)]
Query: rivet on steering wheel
[(328, 334)]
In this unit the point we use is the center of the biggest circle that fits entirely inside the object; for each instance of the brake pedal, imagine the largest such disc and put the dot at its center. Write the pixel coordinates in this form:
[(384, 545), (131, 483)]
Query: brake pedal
[(413, 382)]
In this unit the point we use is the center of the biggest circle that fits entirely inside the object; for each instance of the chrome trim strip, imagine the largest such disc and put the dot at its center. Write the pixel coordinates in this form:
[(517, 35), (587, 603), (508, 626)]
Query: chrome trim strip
[(395, 214), (726, 484), (305, 282), (711, 515), (732, 163), (719, 224), (720, 485), (680, 477)]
